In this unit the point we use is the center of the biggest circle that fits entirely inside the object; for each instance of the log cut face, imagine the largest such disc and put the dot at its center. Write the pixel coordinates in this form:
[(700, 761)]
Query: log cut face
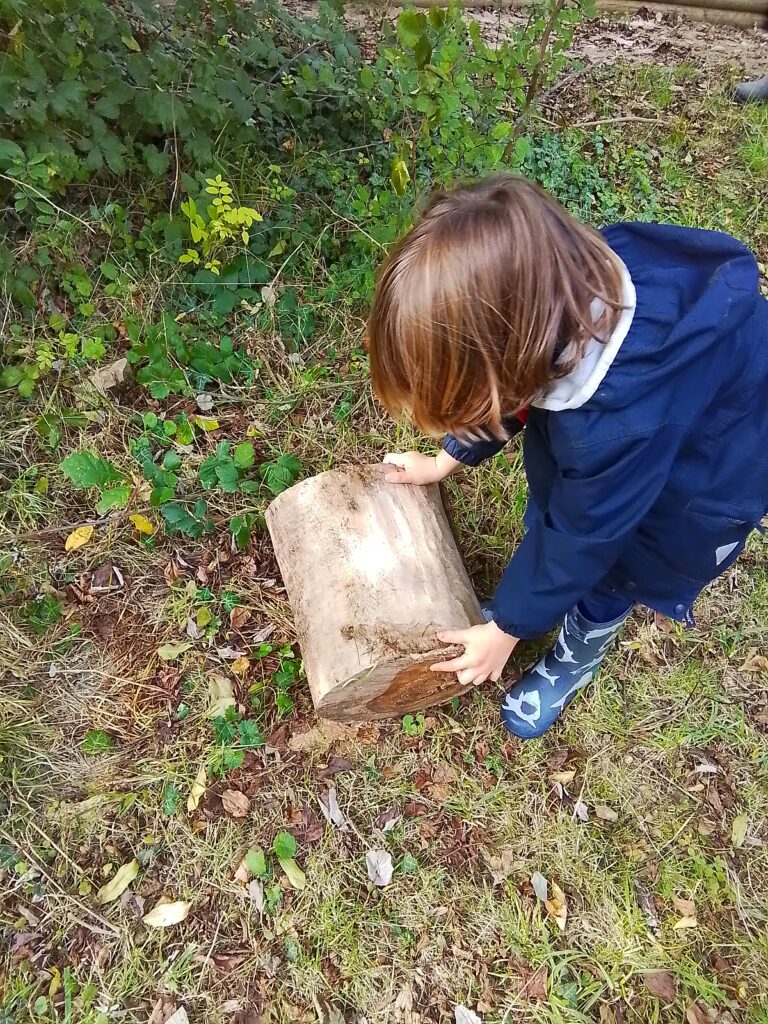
[(372, 572)]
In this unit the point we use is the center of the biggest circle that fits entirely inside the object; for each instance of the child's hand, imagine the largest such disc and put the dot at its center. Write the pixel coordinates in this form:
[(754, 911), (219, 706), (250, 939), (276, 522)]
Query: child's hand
[(486, 651), (415, 468)]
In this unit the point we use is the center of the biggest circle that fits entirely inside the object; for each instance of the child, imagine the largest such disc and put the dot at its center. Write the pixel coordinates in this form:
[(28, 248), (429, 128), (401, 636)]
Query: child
[(637, 359)]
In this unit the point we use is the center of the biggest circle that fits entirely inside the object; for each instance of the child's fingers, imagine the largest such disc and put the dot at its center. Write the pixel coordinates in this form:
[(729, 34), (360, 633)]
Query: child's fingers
[(456, 665), (453, 636), (398, 477), (396, 459)]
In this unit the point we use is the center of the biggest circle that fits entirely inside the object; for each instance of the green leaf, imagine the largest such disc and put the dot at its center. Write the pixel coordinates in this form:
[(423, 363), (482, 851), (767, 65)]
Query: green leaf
[(169, 652), (293, 873), (172, 461), (171, 799), (256, 862), (366, 80), (117, 885), (284, 846), (409, 864), (108, 270), (96, 742), (114, 497), (244, 455), (410, 25), (87, 470), (249, 735), (399, 176), (280, 474)]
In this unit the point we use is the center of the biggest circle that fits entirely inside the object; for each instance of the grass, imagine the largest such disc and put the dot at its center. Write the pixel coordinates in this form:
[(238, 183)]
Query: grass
[(671, 738)]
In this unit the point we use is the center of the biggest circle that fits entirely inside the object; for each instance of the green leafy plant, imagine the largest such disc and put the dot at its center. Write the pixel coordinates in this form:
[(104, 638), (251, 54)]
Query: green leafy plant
[(413, 725), (234, 735), (91, 472), (280, 473), (228, 467), (42, 613), (97, 742), (224, 228)]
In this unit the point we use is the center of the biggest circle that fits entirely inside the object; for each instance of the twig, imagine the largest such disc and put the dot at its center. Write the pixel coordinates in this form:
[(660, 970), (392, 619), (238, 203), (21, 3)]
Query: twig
[(64, 213), (533, 85), (617, 120)]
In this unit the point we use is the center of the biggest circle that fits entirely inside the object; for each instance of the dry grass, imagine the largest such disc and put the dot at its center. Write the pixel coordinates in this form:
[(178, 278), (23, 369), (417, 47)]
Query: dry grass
[(671, 739)]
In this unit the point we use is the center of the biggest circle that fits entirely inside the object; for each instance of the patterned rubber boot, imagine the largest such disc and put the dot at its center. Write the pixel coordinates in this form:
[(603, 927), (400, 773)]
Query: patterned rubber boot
[(538, 699)]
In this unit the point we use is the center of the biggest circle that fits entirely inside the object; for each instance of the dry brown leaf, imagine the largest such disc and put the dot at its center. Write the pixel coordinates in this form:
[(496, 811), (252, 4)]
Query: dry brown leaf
[(165, 915), (685, 922), (699, 1013), (238, 617), (562, 778), (78, 538), (661, 984), (235, 803), (536, 986), (111, 376), (556, 905), (503, 865), (321, 737), (380, 868), (605, 813), (685, 908), (222, 695), (197, 789), (241, 873), (756, 663), (240, 665)]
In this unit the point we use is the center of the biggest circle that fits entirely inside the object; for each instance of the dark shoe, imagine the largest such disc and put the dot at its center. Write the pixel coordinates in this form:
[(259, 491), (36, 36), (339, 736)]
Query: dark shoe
[(752, 92), (536, 702)]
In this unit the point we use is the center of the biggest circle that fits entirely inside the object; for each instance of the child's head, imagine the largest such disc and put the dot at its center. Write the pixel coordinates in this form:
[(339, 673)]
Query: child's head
[(487, 300)]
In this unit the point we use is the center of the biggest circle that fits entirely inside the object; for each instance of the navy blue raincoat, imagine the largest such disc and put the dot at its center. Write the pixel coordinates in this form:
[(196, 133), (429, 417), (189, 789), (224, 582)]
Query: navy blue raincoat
[(649, 481)]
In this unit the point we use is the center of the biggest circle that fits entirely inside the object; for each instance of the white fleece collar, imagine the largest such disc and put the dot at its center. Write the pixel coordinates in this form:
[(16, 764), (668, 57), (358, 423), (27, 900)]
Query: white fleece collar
[(585, 378)]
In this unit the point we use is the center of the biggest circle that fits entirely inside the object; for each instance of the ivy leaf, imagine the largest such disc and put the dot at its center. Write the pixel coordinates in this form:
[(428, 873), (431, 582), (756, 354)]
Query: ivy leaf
[(284, 846), (87, 470)]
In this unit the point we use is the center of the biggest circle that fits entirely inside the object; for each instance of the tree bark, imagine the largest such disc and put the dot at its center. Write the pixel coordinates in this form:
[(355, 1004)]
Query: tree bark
[(372, 572)]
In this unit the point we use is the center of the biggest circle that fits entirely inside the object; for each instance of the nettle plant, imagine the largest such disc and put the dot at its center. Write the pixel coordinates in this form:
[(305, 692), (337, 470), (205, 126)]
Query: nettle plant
[(222, 231)]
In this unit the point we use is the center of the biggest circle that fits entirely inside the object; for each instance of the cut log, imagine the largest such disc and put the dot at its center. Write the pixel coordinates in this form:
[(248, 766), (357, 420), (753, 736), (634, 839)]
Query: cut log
[(372, 572)]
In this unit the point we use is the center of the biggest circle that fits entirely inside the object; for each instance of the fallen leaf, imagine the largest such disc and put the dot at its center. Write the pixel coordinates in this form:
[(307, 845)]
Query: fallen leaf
[(105, 579), (142, 524), (111, 376), (256, 892), (685, 922), (380, 869), (535, 989), (229, 653), (240, 666), (204, 402), (739, 830), (331, 809), (238, 617), (321, 737), (755, 663), (388, 818), (117, 885), (235, 803), (580, 810), (698, 1013), (686, 908), (605, 813), (556, 905), (540, 886), (179, 1017), (221, 694), (78, 538), (162, 1011), (197, 789), (463, 1015), (293, 873), (661, 984), (562, 778), (169, 652), (502, 865), (206, 423), (165, 915)]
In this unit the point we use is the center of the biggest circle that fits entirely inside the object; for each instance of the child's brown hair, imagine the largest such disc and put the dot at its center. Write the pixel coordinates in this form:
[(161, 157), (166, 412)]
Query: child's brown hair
[(486, 301)]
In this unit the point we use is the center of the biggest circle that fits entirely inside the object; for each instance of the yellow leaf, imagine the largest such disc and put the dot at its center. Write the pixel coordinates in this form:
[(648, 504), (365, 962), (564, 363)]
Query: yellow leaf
[(240, 665), (222, 695), (206, 424), (197, 789), (41, 487), (78, 538), (739, 830), (116, 886), (164, 915), (142, 524), (686, 922), (556, 905), (294, 874)]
